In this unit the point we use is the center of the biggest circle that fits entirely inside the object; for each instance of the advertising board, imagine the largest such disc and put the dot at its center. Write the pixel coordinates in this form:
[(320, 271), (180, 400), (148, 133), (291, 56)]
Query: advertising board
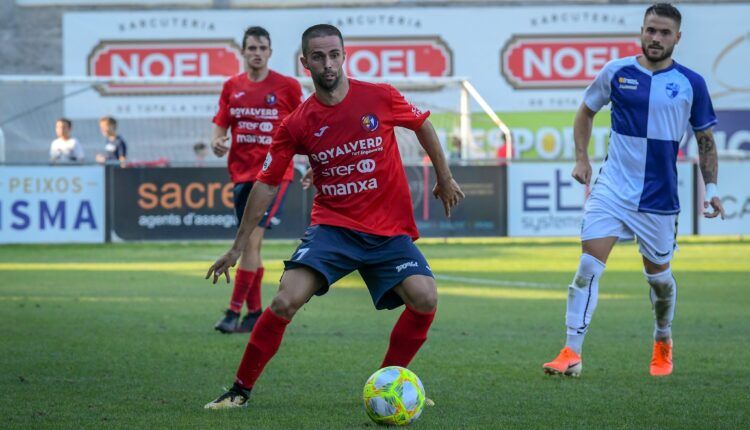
[(52, 204)]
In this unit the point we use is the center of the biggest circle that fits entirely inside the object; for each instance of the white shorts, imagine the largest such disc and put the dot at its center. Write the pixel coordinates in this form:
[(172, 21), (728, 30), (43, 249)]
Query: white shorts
[(656, 234)]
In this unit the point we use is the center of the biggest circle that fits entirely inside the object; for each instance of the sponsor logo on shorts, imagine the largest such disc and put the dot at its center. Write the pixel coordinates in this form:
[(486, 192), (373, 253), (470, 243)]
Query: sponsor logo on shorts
[(369, 122), (672, 90), (357, 148), (267, 163), (404, 266), (363, 166), (270, 99), (348, 188)]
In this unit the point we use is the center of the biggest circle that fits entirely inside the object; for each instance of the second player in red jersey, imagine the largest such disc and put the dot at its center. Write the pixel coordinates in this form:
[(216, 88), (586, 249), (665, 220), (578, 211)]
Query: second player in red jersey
[(253, 110), (252, 105), (362, 213)]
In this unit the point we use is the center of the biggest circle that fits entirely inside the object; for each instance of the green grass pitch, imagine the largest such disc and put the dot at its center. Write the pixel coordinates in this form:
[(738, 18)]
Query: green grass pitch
[(120, 336)]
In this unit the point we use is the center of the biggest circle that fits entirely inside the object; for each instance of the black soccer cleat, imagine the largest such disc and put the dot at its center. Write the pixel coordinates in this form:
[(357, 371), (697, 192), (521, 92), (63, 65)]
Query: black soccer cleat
[(229, 322), (248, 322), (235, 397)]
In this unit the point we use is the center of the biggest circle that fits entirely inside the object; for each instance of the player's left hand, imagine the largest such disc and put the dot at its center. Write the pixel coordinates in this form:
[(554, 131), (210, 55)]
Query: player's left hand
[(449, 192), (222, 265), (718, 208)]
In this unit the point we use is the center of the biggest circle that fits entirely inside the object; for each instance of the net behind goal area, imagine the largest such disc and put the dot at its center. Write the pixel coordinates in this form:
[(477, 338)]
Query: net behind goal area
[(162, 119)]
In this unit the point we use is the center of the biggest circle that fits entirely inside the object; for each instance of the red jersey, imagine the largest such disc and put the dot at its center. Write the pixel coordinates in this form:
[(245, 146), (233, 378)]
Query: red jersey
[(354, 156), (253, 111)]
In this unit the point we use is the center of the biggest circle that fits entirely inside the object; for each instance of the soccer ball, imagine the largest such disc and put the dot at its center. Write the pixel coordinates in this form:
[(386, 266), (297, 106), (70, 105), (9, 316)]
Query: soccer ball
[(394, 396)]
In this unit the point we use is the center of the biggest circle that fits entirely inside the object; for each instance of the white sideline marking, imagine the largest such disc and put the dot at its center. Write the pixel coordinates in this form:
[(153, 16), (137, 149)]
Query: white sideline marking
[(496, 282)]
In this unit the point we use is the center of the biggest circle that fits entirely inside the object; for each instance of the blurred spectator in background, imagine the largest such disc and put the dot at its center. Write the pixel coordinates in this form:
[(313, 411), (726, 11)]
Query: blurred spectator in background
[(115, 149), (65, 149), (201, 151)]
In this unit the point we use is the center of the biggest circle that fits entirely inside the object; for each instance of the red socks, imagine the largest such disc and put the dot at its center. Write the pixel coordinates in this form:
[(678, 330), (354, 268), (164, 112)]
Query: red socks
[(264, 342), (253, 298), (408, 335), (243, 280)]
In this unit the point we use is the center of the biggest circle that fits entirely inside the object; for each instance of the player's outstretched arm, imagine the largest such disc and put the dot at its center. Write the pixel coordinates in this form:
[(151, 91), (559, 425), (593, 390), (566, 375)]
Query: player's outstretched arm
[(446, 188), (260, 197), (709, 164), (219, 140), (582, 126)]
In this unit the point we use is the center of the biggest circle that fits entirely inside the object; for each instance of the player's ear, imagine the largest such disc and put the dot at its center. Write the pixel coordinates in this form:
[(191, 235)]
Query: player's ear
[(303, 61), (679, 35)]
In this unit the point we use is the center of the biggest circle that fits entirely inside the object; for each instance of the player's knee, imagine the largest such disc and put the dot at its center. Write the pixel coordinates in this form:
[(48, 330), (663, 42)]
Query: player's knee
[(284, 306), (426, 299), (426, 303), (662, 283), (589, 268)]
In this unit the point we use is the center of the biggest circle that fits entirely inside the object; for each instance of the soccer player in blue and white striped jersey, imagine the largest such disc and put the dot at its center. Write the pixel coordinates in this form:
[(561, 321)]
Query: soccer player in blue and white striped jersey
[(654, 99)]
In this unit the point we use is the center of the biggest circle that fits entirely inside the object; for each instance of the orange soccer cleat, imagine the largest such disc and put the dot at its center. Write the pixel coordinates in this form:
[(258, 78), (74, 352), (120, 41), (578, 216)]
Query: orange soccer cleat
[(661, 361), (567, 363)]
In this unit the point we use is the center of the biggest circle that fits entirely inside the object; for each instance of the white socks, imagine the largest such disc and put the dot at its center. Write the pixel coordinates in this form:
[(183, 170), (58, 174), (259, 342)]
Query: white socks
[(663, 298), (583, 294)]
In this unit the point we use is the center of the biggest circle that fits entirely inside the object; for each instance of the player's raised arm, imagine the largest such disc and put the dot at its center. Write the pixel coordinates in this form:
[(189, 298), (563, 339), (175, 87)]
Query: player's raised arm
[(260, 198), (709, 164), (446, 188), (582, 126)]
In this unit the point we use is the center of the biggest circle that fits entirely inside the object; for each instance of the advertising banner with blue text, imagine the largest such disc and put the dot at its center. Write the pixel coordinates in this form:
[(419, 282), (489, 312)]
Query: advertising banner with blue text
[(51, 204)]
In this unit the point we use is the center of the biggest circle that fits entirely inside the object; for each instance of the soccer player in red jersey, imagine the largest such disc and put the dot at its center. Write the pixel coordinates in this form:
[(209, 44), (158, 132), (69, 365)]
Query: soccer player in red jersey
[(362, 216), (252, 104)]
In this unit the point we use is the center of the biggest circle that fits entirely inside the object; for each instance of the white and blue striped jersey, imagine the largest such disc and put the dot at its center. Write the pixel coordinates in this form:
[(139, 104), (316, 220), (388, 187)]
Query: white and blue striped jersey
[(650, 115)]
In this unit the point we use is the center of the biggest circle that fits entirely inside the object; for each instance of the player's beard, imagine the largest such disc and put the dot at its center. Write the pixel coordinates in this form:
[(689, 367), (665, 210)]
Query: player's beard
[(665, 53), (321, 82)]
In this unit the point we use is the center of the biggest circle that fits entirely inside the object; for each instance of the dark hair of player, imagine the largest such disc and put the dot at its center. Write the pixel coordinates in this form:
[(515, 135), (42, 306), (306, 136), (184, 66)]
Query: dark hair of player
[(256, 32), (320, 30), (666, 10), (65, 121), (109, 120)]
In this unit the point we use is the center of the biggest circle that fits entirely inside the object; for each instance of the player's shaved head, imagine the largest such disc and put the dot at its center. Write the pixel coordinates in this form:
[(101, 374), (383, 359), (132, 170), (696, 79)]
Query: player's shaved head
[(319, 30), (666, 10)]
